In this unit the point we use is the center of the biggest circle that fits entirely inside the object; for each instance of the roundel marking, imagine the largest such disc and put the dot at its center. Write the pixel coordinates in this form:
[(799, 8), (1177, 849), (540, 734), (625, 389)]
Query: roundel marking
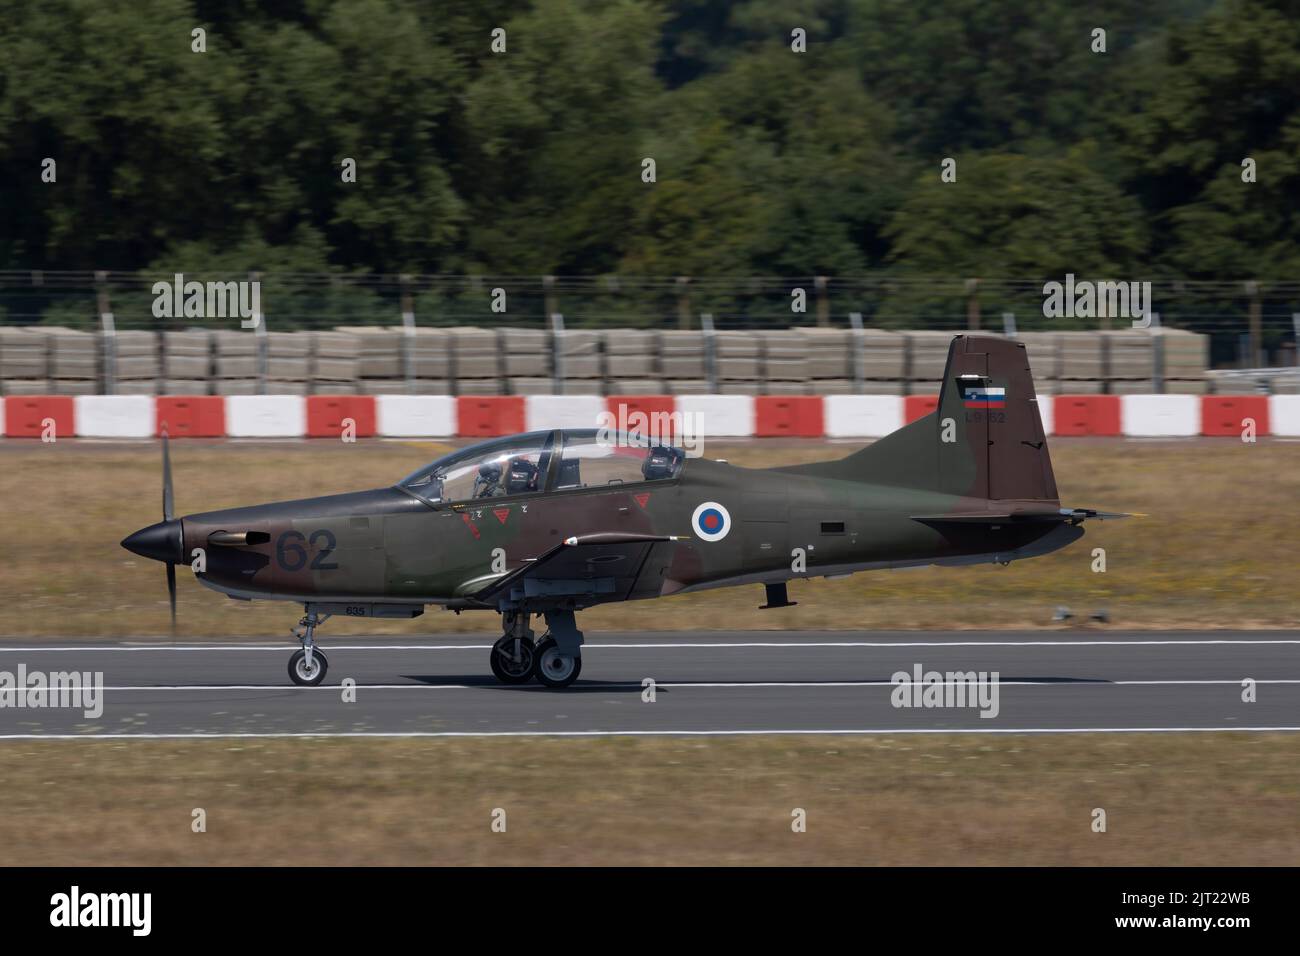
[(711, 521)]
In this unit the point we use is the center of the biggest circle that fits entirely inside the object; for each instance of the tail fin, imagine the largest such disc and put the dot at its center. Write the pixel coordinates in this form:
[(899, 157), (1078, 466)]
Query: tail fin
[(984, 441)]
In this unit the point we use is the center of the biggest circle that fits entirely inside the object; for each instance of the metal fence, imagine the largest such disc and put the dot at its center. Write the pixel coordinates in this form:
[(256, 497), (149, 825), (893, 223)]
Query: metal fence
[(1250, 324)]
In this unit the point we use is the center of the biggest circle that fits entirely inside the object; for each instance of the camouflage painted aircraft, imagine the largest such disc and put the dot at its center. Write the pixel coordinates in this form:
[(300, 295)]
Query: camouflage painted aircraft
[(551, 522)]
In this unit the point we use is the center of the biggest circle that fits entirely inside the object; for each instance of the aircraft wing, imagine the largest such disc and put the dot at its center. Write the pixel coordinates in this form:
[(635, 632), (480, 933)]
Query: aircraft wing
[(600, 567), (1072, 515)]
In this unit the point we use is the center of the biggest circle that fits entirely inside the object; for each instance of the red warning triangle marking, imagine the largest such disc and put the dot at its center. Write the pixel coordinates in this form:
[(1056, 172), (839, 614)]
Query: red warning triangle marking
[(502, 514), (642, 498)]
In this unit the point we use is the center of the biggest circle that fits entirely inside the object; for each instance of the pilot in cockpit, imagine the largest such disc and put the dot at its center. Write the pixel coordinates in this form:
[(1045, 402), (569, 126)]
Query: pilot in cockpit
[(487, 484), (522, 477)]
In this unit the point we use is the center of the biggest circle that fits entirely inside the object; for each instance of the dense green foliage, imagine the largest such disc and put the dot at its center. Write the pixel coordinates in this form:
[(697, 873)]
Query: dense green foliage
[(768, 161)]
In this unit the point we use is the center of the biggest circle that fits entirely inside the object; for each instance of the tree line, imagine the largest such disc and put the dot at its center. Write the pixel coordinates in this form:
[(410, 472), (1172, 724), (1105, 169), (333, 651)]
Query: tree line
[(787, 137)]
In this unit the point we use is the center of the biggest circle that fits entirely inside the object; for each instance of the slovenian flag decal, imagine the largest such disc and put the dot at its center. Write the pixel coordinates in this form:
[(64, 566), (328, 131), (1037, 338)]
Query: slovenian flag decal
[(984, 396)]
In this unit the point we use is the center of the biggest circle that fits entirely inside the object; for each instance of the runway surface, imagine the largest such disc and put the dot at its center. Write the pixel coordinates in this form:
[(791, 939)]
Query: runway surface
[(713, 683)]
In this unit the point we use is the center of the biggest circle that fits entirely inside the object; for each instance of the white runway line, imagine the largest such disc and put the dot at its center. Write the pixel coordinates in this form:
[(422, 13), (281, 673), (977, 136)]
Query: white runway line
[(692, 685), (651, 733), (278, 648), (328, 647)]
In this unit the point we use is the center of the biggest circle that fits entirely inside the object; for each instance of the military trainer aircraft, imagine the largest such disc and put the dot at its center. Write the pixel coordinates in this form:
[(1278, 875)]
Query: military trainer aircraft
[(551, 522)]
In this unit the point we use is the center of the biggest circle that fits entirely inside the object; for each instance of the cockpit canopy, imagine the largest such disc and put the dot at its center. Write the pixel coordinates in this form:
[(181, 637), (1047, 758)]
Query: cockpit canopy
[(544, 461)]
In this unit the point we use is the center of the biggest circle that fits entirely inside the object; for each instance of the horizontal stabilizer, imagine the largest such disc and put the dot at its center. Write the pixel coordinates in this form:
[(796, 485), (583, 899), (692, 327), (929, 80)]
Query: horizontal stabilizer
[(1084, 514)]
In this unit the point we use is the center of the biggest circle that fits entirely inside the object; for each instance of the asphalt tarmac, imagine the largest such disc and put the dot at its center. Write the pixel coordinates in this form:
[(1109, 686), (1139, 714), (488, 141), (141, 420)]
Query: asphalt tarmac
[(705, 683)]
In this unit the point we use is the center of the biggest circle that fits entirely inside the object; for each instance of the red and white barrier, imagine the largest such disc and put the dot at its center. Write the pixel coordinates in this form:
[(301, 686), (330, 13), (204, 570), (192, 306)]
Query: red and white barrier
[(114, 416), (39, 416), (266, 416), (1284, 415), (190, 416), (1047, 413), (1078, 415), (333, 416), (1160, 416), (862, 416), (415, 416), (563, 411), (717, 416), (1232, 415)]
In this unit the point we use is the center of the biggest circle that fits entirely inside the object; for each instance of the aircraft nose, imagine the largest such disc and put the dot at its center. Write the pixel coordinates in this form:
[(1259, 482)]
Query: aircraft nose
[(161, 541)]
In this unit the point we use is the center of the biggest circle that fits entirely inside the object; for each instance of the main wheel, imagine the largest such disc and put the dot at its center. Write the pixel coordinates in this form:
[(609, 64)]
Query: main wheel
[(506, 668), (305, 676), (555, 669)]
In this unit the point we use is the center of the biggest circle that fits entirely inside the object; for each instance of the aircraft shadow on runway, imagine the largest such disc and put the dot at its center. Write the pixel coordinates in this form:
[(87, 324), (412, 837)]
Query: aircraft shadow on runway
[(664, 686)]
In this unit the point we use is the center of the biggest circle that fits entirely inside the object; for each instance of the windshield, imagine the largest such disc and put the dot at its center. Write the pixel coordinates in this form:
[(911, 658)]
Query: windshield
[(519, 465), (593, 460), (506, 466)]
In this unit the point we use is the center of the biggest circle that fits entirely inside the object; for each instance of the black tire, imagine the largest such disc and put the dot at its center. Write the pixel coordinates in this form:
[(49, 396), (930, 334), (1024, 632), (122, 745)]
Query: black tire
[(505, 668), (552, 668), (320, 664)]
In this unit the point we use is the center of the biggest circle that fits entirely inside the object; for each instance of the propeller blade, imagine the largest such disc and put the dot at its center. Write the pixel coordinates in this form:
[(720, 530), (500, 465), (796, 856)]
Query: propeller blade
[(167, 480), (171, 590)]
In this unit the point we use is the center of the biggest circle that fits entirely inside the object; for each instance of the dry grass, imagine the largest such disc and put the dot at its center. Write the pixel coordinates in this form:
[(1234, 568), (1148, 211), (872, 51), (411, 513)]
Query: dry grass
[(1218, 549), (1195, 799)]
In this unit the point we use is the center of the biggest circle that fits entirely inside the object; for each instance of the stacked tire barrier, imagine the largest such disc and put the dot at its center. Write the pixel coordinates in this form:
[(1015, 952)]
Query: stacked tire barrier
[(477, 361)]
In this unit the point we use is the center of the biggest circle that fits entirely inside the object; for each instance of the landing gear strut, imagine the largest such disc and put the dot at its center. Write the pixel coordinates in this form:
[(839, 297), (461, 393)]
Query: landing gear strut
[(307, 667)]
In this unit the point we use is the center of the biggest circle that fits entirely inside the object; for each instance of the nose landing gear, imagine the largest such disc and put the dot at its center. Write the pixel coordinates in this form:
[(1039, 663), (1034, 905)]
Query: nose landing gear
[(307, 667)]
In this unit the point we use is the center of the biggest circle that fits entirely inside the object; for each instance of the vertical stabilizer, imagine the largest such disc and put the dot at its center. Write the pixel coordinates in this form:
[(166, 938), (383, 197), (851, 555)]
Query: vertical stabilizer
[(985, 440)]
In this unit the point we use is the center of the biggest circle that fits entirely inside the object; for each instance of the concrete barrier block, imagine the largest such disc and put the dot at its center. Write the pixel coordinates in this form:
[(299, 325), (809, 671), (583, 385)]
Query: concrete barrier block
[(1284, 415), (863, 416), (115, 416), (563, 411), (1158, 416), (266, 416), (718, 416), (416, 416)]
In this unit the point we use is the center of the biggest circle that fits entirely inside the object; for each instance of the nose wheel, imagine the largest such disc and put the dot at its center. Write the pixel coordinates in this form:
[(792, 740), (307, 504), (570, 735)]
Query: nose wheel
[(308, 673), (308, 666)]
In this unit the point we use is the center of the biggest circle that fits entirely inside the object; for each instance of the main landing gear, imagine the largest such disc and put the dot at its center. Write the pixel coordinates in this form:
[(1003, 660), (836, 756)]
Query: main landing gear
[(554, 661), (307, 667), (514, 655)]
